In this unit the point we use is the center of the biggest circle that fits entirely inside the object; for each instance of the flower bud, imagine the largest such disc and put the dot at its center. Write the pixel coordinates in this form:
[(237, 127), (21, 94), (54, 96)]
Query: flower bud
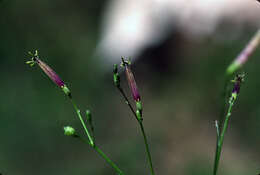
[(69, 131), (245, 54), (237, 84), (116, 76), (131, 81), (89, 116), (49, 72)]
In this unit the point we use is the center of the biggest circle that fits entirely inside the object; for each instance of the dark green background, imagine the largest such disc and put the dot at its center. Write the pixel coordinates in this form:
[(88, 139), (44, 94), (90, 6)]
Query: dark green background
[(179, 107)]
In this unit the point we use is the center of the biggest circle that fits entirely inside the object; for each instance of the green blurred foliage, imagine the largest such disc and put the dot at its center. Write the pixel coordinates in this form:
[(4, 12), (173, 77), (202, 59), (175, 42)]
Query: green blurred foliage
[(179, 111)]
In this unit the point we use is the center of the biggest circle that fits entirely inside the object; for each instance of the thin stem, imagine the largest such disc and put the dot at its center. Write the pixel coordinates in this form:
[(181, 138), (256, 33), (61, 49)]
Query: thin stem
[(221, 137), (219, 124), (104, 156), (127, 101), (217, 148), (91, 142), (224, 99), (82, 122), (147, 147), (142, 129), (109, 161)]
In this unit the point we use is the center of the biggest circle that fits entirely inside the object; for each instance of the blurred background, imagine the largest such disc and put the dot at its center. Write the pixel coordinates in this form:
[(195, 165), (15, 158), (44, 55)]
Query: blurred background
[(180, 51)]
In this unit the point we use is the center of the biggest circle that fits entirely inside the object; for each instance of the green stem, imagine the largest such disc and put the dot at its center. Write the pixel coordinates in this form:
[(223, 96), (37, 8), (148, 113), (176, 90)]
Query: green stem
[(104, 156), (91, 142), (147, 147), (221, 137), (82, 122), (127, 101), (142, 129), (223, 100)]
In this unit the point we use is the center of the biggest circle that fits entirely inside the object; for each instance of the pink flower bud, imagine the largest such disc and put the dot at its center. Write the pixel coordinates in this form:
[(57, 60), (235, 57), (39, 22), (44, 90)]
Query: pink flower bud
[(131, 81), (245, 54), (49, 72)]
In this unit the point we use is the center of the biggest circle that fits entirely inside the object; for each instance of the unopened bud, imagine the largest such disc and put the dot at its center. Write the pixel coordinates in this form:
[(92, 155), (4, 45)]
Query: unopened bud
[(116, 76), (131, 81), (236, 89), (69, 131), (49, 72), (89, 116), (243, 57)]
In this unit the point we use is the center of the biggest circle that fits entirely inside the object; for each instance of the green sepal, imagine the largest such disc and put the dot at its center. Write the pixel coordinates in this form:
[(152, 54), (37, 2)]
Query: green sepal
[(233, 68), (139, 105), (234, 95), (66, 90), (31, 63)]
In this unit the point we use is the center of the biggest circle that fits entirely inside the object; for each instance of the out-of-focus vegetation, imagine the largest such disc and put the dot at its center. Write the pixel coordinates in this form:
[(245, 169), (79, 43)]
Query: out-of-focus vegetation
[(180, 104)]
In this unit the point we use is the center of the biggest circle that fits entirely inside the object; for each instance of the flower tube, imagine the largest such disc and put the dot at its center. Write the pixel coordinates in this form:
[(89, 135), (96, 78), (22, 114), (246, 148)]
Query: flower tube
[(49, 72)]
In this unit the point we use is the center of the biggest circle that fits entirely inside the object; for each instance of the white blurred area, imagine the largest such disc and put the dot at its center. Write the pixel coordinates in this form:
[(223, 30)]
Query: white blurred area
[(129, 26)]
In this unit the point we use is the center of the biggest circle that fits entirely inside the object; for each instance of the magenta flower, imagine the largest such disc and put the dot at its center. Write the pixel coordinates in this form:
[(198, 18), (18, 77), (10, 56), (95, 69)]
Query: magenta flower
[(49, 72), (131, 81)]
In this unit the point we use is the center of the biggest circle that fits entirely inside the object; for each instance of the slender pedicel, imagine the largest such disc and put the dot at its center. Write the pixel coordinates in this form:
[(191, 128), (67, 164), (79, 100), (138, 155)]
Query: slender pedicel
[(49, 72), (245, 54)]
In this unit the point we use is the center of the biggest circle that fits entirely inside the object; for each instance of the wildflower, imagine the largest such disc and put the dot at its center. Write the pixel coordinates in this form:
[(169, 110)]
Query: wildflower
[(245, 54), (49, 72)]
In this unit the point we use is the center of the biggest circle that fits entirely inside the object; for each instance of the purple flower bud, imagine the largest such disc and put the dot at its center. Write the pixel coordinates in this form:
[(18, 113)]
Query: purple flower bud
[(245, 54), (131, 81), (237, 83), (49, 72)]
